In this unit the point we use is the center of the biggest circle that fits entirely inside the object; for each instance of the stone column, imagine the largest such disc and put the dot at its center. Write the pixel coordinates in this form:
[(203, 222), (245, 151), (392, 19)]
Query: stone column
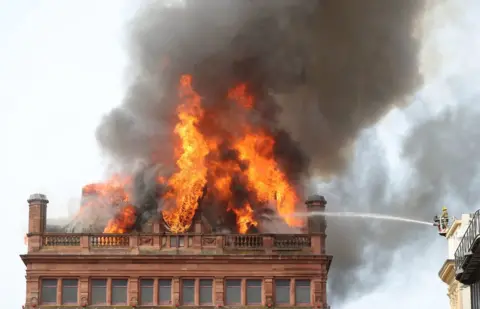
[(219, 297)]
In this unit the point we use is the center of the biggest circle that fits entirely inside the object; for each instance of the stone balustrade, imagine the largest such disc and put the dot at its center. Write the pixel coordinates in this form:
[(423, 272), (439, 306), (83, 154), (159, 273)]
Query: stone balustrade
[(175, 243)]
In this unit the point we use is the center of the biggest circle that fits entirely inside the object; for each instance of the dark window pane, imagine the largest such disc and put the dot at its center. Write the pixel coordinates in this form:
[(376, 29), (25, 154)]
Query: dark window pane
[(188, 292), (146, 292), (282, 291), (254, 292), (119, 291), (206, 291), (302, 292), (173, 241), (165, 291), (69, 291), (49, 291), (99, 291), (233, 291)]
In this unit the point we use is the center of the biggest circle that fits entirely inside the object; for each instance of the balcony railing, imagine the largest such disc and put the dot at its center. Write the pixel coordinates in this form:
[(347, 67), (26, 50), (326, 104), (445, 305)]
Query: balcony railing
[(168, 243), (471, 235)]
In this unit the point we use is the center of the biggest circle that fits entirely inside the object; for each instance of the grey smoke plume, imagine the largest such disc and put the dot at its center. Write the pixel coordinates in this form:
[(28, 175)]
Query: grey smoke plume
[(338, 66), (321, 72), (441, 156)]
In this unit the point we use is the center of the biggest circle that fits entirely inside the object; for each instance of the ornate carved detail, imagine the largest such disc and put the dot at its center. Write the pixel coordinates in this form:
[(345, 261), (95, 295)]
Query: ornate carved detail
[(133, 301), (269, 301), (84, 302), (34, 302), (145, 241), (209, 241)]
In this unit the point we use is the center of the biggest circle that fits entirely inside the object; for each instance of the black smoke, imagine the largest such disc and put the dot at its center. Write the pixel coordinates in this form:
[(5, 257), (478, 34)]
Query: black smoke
[(321, 72)]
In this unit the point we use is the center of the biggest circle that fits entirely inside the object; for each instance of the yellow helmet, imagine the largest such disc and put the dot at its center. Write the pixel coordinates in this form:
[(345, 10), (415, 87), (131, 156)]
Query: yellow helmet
[(444, 208)]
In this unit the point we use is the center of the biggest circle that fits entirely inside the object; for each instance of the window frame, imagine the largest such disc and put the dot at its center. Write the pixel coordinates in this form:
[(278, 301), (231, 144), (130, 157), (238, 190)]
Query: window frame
[(111, 291), (246, 291), (56, 291), (90, 296), (225, 287), (290, 300), (141, 303), (77, 288), (194, 302), (212, 286), (159, 303), (309, 291)]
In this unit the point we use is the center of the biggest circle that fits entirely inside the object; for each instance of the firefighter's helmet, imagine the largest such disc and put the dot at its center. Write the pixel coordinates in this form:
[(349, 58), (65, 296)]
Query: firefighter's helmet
[(444, 208)]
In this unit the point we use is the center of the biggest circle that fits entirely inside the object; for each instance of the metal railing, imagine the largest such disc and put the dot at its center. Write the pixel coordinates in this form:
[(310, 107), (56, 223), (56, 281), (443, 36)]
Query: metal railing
[(471, 234)]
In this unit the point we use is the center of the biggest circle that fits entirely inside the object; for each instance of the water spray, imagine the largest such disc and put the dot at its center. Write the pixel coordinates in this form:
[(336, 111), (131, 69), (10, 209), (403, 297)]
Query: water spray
[(361, 215)]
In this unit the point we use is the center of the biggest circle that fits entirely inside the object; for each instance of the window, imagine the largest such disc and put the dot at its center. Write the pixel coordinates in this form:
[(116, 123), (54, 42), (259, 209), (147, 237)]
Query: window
[(119, 291), (302, 292), (49, 291), (99, 291), (188, 292), (165, 291), (69, 291), (233, 291), (254, 292), (282, 292), (146, 291), (206, 291)]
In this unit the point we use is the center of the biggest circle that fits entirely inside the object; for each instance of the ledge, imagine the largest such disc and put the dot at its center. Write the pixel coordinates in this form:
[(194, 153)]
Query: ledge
[(168, 307), (198, 259)]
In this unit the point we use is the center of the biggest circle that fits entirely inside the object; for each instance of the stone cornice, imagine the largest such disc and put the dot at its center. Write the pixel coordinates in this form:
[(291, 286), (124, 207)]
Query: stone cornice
[(455, 225), (447, 271), (198, 259)]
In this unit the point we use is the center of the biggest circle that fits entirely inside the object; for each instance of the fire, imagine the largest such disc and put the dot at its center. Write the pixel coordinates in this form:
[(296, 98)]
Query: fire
[(188, 183), (263, 173), (113, 192), (122, 222), (244, 218), (204, 172)]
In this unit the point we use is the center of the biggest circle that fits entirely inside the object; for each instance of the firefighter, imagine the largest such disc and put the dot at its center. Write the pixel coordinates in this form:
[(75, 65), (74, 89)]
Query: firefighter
[(444, 218)]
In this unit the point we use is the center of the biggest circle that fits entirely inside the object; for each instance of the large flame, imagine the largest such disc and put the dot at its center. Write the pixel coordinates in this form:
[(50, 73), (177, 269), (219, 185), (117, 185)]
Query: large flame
[(200, 165), (188, 183)]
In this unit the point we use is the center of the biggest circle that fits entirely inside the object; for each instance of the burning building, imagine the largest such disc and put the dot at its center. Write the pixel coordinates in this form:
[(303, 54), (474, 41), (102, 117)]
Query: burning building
[(195, 266), (220, 229)]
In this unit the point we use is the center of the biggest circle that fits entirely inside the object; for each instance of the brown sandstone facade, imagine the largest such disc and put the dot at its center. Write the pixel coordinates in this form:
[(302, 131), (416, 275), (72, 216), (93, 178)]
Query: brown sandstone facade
[(161, 270)]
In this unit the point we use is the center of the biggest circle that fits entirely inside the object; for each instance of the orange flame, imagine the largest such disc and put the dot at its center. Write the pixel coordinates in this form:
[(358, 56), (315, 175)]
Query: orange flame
[(263, 174), (199, 161), (188, 183)]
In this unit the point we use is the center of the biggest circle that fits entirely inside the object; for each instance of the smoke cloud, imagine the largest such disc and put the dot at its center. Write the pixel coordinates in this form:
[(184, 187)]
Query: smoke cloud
[(334, 67), (441, 168), (321, 72)]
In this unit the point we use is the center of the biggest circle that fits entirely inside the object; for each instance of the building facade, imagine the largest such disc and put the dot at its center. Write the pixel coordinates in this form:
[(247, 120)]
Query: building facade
[(458, 293), (159, 269), (467, 259)]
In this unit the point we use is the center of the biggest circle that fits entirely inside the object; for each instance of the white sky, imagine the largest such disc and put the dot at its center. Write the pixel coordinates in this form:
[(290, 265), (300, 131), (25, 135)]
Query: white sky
[(62, 66)]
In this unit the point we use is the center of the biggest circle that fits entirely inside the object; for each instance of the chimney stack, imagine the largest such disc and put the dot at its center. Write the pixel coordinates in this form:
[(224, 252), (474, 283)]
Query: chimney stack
[(316, 204), (37, 220), (316, 224), (37, 213)]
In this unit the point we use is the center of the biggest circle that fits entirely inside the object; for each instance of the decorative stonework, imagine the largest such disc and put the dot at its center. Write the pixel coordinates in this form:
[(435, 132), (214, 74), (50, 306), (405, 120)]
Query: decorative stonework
[(209, 241), (34, 302), (145, 241), (133, 302), (84, 302)]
